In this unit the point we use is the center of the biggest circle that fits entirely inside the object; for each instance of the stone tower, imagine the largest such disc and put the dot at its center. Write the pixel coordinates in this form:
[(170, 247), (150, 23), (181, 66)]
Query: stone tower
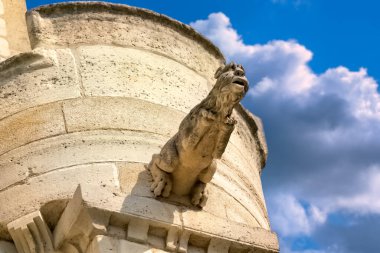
[(81, 114)]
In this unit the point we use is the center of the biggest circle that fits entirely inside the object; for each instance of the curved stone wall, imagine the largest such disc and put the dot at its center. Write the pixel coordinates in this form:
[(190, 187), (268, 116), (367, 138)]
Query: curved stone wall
[(104, 88)]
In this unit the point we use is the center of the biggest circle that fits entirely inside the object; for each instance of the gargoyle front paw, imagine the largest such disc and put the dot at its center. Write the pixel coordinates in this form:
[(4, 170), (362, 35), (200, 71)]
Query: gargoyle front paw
[(162, 184), (200, 195), (230, 121), (209, 115)]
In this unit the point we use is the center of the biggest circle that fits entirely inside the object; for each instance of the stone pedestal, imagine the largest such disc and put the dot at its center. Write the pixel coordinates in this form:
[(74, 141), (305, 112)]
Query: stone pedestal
[(103, 89)]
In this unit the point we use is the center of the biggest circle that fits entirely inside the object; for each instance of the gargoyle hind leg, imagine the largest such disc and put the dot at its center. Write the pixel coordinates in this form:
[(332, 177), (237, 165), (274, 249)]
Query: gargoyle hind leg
[(162, 182), (199, 193)]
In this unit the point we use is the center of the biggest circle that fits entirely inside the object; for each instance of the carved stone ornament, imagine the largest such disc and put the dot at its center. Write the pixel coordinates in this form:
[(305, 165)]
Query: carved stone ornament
[(83, 229), (186, 163), (72, 234)]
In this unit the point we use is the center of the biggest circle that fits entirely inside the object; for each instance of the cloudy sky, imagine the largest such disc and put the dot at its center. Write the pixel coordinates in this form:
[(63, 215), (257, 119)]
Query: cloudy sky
[(314, 71)]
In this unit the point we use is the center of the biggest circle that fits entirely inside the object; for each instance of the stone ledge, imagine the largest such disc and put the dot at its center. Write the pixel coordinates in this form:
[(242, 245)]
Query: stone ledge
[(75, 8), (123, 209), (35, 78), (77, 23), (31, 125)]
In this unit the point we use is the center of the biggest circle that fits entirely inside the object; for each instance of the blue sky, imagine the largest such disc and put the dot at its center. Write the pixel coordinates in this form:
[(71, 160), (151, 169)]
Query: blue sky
[(314, 73)]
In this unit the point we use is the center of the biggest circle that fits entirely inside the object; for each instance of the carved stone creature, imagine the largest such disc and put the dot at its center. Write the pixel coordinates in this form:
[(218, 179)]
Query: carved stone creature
[(186, 163)]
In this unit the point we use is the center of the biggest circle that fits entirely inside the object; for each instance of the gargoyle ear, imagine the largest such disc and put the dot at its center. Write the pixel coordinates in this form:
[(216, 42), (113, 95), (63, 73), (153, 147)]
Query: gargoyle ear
[(219, 71)]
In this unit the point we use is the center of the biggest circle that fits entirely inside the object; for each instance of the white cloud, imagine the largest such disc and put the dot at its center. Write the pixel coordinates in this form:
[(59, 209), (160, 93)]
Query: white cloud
[(292, 218), (323, 130), (366, 200)]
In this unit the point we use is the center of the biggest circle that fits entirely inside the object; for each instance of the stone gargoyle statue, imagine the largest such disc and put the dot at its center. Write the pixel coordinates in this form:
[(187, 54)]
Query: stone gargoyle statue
[(186, 163)]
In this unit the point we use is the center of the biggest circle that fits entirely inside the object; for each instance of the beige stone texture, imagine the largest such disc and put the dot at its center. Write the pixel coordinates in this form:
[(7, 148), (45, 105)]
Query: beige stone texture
[(104, 244), (31, 125), (30, 233), (1, 7), (7, 247), (119, 113), (36, 78), (221, 203), (14, 16), (3, 28), (104, 88), (187, 161), (74, 149), (218, 246), (4, 48), (112, 24), (129, 72), (65, 181), (138, 231)]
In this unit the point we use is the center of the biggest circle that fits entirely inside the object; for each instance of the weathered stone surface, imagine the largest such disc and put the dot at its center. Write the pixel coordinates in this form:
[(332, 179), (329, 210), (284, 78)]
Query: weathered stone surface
[(78, 225), (138, 231), (128, 72), (134, 179), (96, 113), (102, 92), (31, 234), (94, 178), (4, 48), (7, 247), (14, 15), (218, 246), (187, 162), (74, 149), (3, 27), (105, 244), (1, 7), (241, 173), (31, 125), (250, 202), (207, 223), (111, 24), (36, 78)]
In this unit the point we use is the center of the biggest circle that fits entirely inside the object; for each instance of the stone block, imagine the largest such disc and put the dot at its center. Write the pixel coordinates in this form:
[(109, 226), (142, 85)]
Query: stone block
[(97, 179), (243, 198), (3, 27), (68, 219), (14, 16), (31, 234), (238, 167), (31, 125), (221, 203), (172, 239), (218, 246), (127, 72), (4, 48), (7, 247), (77, 148), (151, 208), (138, 231), (120, 113), (184, 241), (1, 7), (36, 78), (111, 24), (105, 244), (134, 179), (233, 231)]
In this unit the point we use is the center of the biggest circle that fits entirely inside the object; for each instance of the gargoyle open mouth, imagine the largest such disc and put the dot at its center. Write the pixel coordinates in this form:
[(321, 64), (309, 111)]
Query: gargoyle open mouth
[(240, 81)]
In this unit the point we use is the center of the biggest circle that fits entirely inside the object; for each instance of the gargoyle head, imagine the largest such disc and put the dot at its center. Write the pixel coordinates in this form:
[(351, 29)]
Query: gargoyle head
[(231, 78)]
